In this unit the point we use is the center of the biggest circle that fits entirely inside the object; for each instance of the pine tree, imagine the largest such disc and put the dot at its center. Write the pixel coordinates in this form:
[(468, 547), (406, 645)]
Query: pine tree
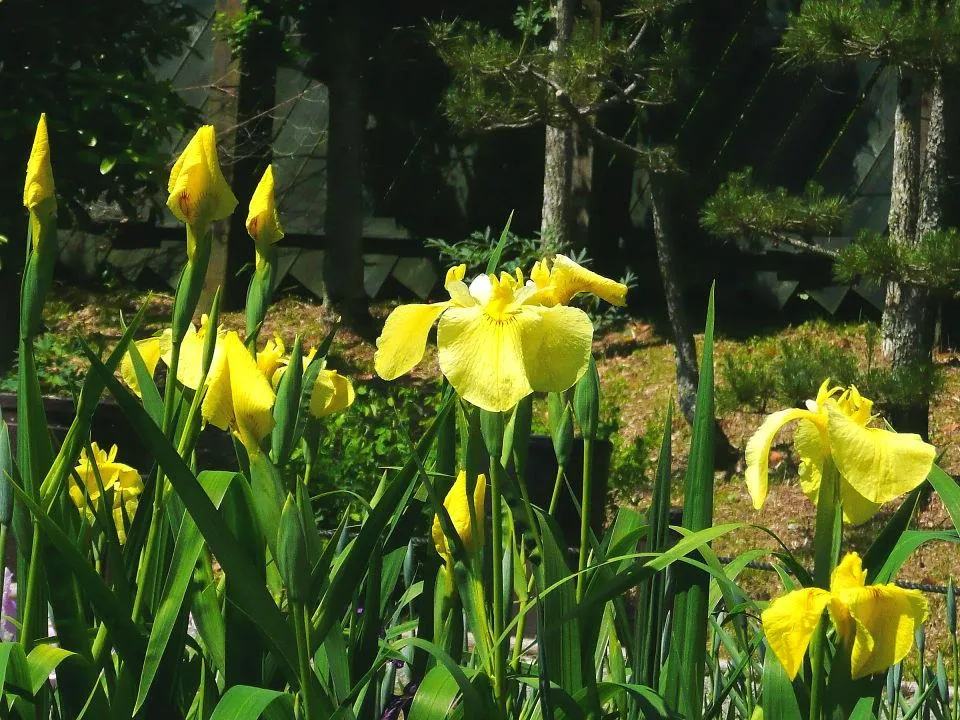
[(919, 258)]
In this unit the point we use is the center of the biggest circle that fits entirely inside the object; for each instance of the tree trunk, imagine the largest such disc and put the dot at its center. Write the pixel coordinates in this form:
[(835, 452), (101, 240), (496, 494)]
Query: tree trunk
[(915, 208), (555, 218), (688, 376), (256, 101), (343, 262)]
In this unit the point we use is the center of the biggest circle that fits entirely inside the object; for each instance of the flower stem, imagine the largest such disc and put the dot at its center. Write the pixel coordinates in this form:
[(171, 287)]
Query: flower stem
[(826, 548), (146, 568), (301, 622), (818, 672), (496, 539), (585, 512)]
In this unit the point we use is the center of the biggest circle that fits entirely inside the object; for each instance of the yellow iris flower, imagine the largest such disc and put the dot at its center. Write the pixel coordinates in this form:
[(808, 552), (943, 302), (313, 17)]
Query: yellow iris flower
[(263, 222), (190, 364), (332, 392), (457, 504), (499, 340), (38, 191), (875, 465), (199, 194), (123, 480), (239, 397), (875, 623)]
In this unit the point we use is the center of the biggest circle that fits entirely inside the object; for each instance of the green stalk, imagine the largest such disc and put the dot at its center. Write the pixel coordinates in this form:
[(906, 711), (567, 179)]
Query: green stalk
[(496, 539), (585, 512), (146, 568), (301, 631), (829, 529), (27, 630), (557, 486)]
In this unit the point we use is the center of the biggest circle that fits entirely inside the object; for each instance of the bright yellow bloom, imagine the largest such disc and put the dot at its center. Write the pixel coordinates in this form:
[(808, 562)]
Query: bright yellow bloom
[(39, 185), (332, 392), (559, 284), (149, 351), (875, 465), (272, 359), (122, 480), (239, 397), (38, 191), (497, 343), (190, 363), (875, 623), (199, 193), (263, 222), (457, 504)]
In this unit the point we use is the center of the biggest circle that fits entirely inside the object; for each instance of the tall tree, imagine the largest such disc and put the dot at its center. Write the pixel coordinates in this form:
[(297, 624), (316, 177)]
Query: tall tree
[(918, 42)]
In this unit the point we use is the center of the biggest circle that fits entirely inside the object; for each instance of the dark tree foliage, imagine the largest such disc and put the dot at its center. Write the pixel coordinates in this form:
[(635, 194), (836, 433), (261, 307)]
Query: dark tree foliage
[(89, 66)]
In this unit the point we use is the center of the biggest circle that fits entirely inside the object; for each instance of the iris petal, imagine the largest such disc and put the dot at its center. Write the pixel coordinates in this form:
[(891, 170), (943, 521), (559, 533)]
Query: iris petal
[(458, 505), (885, 619), (331, 393), (758, 451), (880, 465), (555, 345), (401, 345), (569, 278), (483, 357), (790, 622)]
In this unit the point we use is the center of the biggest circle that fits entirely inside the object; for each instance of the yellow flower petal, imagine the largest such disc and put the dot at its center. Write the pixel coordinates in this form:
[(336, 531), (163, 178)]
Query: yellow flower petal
[(555, 345), (401, 345), (880, 465), (271, 358), (848, 574), (758, 450), (483, 357), (885, 619), (332, 393), (190, 363), (238, 396), (39, 184), (118, 478), (263, 221), (790, 622), (567, 278), (149, 350), (199, 194), (458, 505)]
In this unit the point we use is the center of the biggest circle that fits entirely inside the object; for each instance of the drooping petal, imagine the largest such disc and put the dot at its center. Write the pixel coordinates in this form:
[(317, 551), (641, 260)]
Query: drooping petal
[(458, 505), (555, 345), (263, 221), (271, 357), (39, 184), (401, 345), (331, 393), (790, 622), (758, 450), (880, 465), (885, 618), (238, 396), (568, 278), (149, 351), (482, 357)]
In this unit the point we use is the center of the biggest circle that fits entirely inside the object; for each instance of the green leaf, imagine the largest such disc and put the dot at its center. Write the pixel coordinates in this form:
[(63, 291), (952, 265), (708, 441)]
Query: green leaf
[(778, 697), (949, 493), (13, 666), (186, 552), (905, 547), (435, 695), (152, 402), (693, 599), (287, 407), (292, 552), (501, 244), (243, 702), (107, 164), (42, 661)]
